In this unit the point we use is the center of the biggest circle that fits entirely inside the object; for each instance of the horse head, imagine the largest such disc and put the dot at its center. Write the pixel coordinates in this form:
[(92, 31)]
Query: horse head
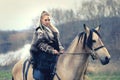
[(95, 46)]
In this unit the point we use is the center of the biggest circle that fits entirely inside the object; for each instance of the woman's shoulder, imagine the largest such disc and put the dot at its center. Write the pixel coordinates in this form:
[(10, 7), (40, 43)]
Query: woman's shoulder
[(38, 31)]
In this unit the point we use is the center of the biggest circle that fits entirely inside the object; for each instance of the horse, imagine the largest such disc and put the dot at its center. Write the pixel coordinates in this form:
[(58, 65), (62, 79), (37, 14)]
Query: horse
[(72, 65)]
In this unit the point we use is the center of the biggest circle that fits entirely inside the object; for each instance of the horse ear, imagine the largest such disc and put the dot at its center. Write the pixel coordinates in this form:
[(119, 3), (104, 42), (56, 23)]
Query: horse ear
[(86, 28), (98, 28)]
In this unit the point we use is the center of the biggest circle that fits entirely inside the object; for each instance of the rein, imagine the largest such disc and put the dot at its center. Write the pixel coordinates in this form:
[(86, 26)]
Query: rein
[(72, 54), (82, 53)]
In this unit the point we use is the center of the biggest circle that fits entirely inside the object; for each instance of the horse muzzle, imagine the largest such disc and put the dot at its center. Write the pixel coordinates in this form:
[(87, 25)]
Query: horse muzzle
[(105, 60)]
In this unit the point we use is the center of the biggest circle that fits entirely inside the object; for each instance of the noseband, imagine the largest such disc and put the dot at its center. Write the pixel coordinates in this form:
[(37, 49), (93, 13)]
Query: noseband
[(93, 52)]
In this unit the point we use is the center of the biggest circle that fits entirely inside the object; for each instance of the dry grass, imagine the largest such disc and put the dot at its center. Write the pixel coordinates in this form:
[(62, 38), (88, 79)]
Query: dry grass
[(111, 71)]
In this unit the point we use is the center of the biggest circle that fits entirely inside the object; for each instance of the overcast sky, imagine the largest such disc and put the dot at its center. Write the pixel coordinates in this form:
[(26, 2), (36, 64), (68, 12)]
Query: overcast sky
[(18, 14)]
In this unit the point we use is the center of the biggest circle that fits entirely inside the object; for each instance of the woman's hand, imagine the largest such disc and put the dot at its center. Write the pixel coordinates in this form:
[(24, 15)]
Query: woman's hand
[(62, 51), (55, 52)]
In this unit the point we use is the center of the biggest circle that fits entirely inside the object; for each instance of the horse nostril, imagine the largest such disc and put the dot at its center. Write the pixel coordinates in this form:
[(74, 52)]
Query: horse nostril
[(107, 59)]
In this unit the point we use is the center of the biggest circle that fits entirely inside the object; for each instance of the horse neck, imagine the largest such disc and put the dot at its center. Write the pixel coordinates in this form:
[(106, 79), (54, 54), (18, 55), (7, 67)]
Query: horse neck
[(73, 65)]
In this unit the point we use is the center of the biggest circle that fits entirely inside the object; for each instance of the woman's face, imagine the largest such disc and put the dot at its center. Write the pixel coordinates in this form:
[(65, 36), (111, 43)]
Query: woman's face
[(45, 20)]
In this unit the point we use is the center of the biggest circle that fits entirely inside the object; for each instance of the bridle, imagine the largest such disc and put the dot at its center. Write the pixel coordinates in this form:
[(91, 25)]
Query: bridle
[(93, 52), (87, 42)]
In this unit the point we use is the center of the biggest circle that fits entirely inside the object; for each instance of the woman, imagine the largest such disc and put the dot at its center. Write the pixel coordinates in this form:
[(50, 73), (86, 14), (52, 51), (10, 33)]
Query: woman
[(44, 49)]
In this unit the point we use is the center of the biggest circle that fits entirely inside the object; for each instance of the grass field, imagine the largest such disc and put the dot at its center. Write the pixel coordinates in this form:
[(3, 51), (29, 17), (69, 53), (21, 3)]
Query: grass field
[(99, 72), (6, 75), (105, 76)]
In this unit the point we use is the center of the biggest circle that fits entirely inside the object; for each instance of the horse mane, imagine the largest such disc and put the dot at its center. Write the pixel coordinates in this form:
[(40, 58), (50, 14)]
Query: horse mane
[(86, 41), (83, 36), (75, 42)]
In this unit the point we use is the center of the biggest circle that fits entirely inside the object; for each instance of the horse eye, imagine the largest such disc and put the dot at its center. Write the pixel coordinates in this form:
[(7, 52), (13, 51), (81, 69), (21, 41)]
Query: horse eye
[(93, 41)]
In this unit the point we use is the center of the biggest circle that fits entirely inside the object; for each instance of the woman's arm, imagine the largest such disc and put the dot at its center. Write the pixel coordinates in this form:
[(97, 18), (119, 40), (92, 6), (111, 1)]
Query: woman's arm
[(40, 43), (57, 36)]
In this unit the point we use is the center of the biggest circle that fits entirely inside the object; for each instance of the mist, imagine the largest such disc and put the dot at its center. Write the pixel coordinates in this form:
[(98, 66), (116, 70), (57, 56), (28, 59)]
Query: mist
[(13, 56)]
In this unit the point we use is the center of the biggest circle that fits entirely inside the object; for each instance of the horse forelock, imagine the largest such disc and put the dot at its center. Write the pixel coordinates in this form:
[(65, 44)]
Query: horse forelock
[(89, 40)]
